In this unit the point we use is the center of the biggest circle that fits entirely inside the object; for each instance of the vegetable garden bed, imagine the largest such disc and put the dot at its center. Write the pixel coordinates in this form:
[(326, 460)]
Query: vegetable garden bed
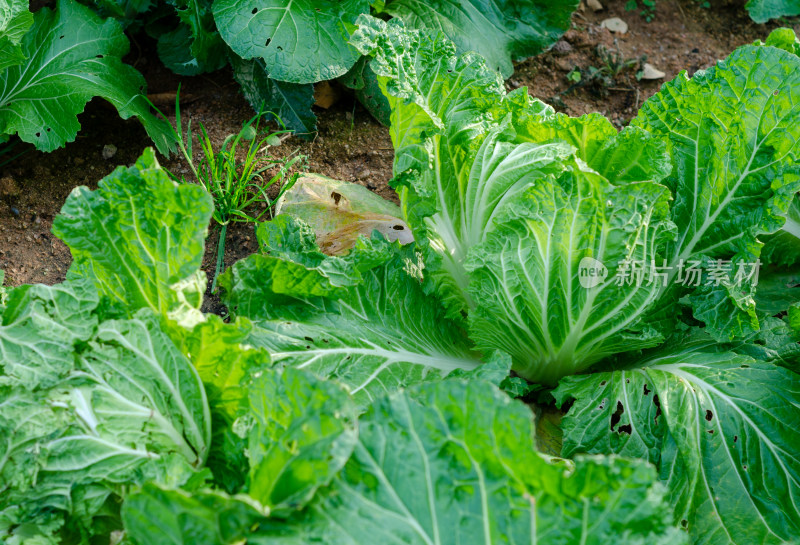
[(554, 329)]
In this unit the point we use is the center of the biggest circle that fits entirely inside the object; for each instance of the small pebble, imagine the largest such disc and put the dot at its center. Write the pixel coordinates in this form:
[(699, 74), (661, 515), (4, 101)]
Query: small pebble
[(15, 212), (615, 24), (562, 47), (109, 150), (651, 72)]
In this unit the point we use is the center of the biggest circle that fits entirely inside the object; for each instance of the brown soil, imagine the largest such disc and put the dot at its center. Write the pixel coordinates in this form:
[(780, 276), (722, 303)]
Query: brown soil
[(682, 36), (350, 145)]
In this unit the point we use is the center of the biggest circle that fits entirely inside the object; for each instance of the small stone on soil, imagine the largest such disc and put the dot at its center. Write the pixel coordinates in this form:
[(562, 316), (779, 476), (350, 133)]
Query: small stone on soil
[(109, 150), (651, 72), (615, 24), (594, 5), (562, 47)]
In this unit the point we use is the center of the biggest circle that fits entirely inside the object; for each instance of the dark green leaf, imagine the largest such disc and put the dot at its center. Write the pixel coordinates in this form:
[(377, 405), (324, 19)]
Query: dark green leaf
[(500, 30), (291, 102), (72, 56), (720, 427), (195, 46), (299, 41)]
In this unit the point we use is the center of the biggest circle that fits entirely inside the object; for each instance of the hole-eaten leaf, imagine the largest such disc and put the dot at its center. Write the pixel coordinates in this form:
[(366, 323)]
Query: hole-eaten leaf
[(615, 418), (657, 403)]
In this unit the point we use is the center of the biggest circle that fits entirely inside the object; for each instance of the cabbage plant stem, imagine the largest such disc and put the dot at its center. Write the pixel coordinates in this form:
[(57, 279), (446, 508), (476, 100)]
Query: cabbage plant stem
[(220, 254)]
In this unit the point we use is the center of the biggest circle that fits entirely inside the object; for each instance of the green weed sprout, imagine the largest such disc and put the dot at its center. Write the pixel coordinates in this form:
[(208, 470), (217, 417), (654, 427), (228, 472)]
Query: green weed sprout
[(238, 186)]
